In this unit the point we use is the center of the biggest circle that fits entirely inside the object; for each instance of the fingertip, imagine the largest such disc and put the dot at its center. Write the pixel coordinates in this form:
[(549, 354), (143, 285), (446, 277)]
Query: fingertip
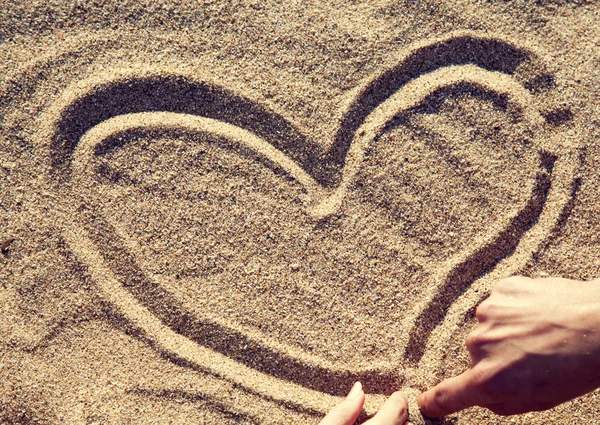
[(355, 391), (399, 395), (428, 404), (393, 411), (449, 396), (422, 401), (348, 410), (345, 413), (400, 399)]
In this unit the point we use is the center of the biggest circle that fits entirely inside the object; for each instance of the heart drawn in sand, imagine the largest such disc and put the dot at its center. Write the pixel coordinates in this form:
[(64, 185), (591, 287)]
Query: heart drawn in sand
[(238, 246)]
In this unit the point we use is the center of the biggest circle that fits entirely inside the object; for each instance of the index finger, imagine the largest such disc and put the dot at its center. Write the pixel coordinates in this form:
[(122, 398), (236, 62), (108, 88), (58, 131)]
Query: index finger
[(452, 395)]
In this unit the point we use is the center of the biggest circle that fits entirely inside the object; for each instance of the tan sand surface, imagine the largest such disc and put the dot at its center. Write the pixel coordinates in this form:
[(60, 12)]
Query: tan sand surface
[(229, 212)]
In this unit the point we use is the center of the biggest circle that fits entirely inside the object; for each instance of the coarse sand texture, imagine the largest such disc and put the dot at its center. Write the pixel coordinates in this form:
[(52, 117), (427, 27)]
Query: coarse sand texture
[(216, 214)]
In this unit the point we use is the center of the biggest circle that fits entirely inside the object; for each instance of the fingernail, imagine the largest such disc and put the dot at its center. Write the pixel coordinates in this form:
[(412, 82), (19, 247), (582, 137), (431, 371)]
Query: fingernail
[(355, 391)]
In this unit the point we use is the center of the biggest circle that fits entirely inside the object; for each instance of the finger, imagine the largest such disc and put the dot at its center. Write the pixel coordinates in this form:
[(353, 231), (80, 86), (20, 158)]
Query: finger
[(452, 395), (348, 410), (393, 412)]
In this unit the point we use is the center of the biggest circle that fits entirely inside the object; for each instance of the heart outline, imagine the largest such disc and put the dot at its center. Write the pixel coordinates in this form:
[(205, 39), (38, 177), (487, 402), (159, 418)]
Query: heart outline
[(354, 156)]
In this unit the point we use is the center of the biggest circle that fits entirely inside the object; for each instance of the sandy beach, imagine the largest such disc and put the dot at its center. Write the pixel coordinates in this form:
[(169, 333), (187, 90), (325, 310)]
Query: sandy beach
[(229, 213)]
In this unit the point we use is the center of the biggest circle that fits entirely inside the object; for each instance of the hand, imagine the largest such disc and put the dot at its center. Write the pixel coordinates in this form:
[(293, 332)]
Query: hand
[(393, 412), (537, 345)]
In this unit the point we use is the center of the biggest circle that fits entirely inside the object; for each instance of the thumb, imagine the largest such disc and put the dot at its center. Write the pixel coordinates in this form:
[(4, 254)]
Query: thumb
[(452, 395), (348, 410)]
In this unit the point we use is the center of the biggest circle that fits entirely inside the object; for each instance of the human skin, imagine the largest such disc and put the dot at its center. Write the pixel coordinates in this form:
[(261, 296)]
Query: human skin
[(393, 412), (537, 345)]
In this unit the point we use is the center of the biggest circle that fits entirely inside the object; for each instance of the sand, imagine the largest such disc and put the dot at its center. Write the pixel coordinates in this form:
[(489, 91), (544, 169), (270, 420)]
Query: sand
[(229, 213)]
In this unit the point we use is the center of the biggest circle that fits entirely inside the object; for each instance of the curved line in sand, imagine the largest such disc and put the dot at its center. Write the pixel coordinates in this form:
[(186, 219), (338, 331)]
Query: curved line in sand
[(564, 177), (402, 101), (369, 130), (458, 47), (193, 123), (493, 52), (410, 96), (188, 351)]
